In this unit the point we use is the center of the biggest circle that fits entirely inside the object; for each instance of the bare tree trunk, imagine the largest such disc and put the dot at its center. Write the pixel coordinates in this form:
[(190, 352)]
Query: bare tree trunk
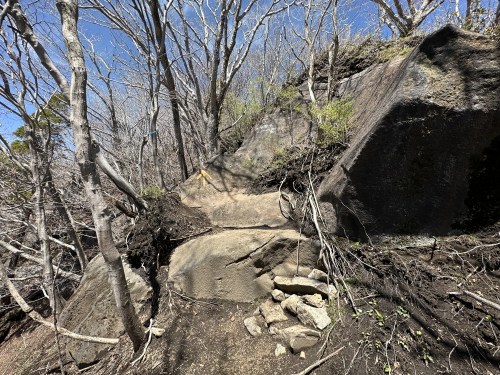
[(333, 50), (153, 132), (169, 82), (310, 75), (141, 162), (213, 133), (86, 154), (55, 300), (497, 15), (65, 214)]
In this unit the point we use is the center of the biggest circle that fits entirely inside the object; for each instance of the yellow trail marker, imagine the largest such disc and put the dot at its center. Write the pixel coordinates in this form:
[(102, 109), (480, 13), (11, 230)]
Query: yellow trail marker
[(203, 176)]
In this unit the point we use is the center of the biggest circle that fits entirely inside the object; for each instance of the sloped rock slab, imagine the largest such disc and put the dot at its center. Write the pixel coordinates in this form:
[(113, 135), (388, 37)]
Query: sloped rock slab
[(91, 310), (237, 265), (240, 210), (303, 285), (425, 129)]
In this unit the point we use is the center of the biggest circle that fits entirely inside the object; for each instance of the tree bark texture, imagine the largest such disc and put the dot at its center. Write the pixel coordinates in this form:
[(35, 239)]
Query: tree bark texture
[(86, 154)]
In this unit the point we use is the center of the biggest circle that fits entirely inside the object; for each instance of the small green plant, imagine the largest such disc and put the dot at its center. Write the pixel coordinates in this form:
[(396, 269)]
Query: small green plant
[(387, 368), (380, 317), (401, 311), (391, 52), (152, 191), (357, 314), (404, 344), (426, 356), (281, 157), (334, 120)]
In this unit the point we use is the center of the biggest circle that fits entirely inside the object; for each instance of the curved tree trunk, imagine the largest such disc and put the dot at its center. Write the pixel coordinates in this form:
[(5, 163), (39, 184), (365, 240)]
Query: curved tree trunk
[(86, 154)]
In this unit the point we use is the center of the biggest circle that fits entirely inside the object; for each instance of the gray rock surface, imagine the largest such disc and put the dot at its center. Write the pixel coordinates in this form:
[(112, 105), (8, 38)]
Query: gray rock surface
[(240, 210), (291, 303), (299, 337), (230, 174), (278, 295), (280, 350), (314, 300), (252, 326), (91, 310), (422, 127), (236, 265), (318, 275), (303, 285), (314, 316), (272, 312)]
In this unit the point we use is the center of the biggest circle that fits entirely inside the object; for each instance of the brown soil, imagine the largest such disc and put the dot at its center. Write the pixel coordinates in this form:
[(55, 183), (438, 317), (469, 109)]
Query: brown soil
[(405, 320), (165, 226), (291, 170)]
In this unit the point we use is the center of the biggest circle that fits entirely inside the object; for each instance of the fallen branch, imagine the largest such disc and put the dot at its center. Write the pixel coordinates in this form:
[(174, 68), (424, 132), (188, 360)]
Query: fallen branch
[(319, 363), (22, 254), (38, 318), (476, 297)]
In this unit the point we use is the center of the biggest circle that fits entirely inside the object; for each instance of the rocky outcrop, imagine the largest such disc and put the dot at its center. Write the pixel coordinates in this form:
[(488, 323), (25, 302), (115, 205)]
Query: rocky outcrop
[(241, 210), (309, 309), (421, 128), (91, 310), (231, 174), (239, 264)]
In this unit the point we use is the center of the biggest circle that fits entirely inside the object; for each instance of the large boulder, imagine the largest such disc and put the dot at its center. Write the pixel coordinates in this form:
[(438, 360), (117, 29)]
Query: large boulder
[(424, 126), (241, 210), (239, 265), (229, 175), (91, 310)]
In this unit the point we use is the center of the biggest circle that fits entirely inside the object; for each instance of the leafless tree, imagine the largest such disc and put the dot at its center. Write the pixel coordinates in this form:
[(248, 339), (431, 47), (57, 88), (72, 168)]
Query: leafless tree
[(39, 152), (212, 40), (407, 18), (144, 22), (87, 151), (86, 159)]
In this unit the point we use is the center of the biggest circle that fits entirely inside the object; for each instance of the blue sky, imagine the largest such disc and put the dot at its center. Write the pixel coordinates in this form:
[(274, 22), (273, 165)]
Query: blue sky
[(46, 21)]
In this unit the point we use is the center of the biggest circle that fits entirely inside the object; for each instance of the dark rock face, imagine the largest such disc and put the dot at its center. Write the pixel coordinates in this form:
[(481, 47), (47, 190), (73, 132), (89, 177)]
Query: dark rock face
[(426, 129)]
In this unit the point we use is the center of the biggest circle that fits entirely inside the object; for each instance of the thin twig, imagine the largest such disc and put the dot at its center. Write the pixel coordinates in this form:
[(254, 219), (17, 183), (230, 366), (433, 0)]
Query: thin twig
[(476, 297), (320, 362)]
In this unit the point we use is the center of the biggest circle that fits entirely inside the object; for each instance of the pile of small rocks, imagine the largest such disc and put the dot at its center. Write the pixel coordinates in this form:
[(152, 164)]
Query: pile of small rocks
[(305, 298)]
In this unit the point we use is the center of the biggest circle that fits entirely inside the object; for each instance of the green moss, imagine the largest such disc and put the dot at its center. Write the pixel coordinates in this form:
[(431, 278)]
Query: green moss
[(393, 51)]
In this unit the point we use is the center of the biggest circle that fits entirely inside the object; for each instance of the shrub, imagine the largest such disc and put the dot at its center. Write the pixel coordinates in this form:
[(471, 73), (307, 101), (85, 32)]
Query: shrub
[(333, 120), (152, 191)]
